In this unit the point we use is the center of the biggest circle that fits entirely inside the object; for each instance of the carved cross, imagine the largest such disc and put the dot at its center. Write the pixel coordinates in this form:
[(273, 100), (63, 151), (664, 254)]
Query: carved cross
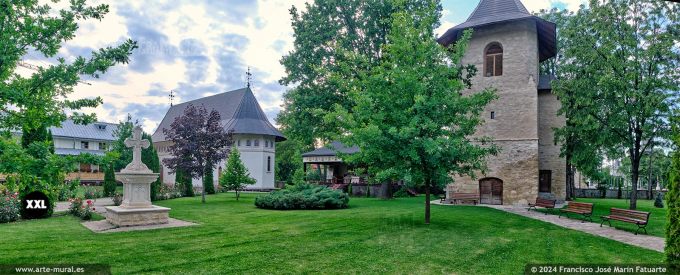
[(137, 143)]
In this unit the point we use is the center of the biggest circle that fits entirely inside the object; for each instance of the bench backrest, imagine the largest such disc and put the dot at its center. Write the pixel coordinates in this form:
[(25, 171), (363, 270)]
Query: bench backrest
[(581, 206), (465, 196), (540, 201), (640, 215)]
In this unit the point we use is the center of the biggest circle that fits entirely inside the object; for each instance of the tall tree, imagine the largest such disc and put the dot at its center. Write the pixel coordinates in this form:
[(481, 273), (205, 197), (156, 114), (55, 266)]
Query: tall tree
[(358, 26), (411, 119), (198, 142), (235, 176), (149, 154), (109, 180), (673, 203), (619, 81), (37, 102)]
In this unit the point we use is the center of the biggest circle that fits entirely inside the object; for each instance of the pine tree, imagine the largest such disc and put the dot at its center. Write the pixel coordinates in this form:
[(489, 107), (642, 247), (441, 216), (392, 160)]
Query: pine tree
[(236, 176), (109, 181)]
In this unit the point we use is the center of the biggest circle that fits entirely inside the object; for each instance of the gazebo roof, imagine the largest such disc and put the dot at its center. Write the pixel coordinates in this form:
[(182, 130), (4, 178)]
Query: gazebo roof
[(331, 150), (490, 12)]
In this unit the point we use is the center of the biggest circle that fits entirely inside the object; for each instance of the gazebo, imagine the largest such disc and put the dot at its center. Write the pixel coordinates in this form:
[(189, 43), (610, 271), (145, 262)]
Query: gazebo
[(331, 167)]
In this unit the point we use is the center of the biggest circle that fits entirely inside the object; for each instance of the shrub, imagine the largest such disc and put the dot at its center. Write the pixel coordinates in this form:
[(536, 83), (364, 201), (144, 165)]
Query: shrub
[(208, 180), (303, 196), (117, 199), (235, 177), (109, 181), (401, 193), (91, 193), (183, 182), (74, 206), (673, 215), (30, 184), (9, 206), (658, 202), (166, 192), (86, 210)]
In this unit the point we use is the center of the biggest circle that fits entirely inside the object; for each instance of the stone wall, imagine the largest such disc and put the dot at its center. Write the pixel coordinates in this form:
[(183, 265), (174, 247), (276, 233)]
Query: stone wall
[(516, 165), (548, 151)]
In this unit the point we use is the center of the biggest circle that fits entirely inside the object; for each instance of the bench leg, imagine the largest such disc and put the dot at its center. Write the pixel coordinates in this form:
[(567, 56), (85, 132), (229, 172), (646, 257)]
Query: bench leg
[(587, 217), (531, 206), (606, 220), (643, 227)]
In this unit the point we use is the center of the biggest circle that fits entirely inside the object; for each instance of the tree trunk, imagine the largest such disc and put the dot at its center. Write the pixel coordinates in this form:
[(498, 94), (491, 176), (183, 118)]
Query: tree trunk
[(427, 201), (650, 181), (635, 170), (571, 188), (203, 189)]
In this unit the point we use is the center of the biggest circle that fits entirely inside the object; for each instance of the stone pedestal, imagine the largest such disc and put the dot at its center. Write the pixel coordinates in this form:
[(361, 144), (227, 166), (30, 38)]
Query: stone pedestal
[(136, 208)]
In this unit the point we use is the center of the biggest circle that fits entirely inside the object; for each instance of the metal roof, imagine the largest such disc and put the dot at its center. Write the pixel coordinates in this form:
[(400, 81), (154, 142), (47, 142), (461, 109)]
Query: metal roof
[(75, 152), (94, 131), (332, 149), (239, 111), (490, 12)]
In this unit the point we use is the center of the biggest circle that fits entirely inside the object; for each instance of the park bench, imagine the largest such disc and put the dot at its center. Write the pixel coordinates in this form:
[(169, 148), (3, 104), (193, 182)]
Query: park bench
[(639, 218), (581, 208), (545, 203), (474, 197)]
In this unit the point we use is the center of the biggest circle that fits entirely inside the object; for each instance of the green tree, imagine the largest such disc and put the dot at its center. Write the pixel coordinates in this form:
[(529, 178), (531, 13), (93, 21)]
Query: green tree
[(208, 184), (673, 203), (109, 181), (323, 27), (235, 176), (183, 181), (150, 159), (288, 160), (617, 81), (411, 119), (149, 154)]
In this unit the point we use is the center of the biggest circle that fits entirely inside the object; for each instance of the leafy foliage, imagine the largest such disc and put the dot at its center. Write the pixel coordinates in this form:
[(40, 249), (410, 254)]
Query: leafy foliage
[(411, 119), (109, 181), (208, 181), (149, 154), (9, 206), (198, 142), (673, 203), (235, 176), (183, 183), (303, 196), (617, 80)]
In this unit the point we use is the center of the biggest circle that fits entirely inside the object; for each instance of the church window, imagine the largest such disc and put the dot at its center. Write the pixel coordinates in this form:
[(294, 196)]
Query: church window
[(238, 142), (493, 60), (269, 164), (257, 142), (247, 142), (84, 145), (493, 115)]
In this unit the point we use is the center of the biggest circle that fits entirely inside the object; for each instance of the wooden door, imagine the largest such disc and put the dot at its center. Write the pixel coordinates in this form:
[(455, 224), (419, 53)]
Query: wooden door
[(544, 181), (491, 191)]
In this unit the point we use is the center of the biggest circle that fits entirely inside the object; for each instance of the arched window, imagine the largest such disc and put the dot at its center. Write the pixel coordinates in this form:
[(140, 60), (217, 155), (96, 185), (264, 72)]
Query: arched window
[(269, 164), (493, 60)]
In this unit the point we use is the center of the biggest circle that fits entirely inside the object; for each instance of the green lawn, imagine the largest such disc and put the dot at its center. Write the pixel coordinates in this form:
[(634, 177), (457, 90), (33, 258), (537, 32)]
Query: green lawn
[(657, 220), (372, 236)]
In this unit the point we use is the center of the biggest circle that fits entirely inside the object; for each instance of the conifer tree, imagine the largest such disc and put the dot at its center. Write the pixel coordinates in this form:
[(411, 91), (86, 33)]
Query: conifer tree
[(235, 176)]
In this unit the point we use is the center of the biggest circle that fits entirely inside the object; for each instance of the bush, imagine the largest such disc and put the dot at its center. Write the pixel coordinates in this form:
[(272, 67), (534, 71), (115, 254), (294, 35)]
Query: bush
[(673, 216), (9, 206), (401, 193), (208, 181), (109, 181), (166, 192), (91, 193), (68, 190), (75, 205), (78, 209), (658, 202), (86, 211), (303, 196), (117, 199)]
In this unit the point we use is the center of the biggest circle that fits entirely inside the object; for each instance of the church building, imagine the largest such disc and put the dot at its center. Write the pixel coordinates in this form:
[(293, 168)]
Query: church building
[(507, 46), (253, 135)]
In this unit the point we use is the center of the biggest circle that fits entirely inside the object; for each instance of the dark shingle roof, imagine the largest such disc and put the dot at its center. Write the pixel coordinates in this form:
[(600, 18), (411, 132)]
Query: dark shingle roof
[(490, 12), (238, 109), (544, 82), (93, 131), (331, 149)]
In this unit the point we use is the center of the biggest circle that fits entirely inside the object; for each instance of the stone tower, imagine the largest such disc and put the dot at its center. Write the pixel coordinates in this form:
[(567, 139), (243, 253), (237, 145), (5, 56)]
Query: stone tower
[(507, 45)]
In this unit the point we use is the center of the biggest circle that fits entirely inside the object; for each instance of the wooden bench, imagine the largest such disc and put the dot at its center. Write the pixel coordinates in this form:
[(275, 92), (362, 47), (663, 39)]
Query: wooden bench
[(474, 197), (581, 208), (545, 203), (639, 218)]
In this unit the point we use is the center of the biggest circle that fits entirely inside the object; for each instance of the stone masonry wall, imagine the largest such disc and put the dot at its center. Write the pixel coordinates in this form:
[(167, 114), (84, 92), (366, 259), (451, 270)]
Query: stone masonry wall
[(548, 150), (515, 127)]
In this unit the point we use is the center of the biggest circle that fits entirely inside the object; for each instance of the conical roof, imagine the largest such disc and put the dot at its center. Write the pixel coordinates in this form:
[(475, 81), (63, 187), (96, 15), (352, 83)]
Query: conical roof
[(239, 110), (489, 12)]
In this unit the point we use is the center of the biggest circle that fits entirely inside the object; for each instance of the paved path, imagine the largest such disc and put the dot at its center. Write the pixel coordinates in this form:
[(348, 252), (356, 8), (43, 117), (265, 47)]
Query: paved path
[(99, 204), (644, 241)]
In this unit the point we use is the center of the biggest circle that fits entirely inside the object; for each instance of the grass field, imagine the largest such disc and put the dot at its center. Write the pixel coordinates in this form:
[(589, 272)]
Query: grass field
[(372, 236)]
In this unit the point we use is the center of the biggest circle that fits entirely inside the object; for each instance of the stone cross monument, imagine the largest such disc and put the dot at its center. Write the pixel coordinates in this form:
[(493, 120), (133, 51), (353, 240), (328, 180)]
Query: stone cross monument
[(136, 208)]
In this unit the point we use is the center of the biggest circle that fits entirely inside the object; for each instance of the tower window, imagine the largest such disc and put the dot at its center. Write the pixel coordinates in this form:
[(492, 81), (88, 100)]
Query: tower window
[(493, 115), (493, 60), (269, 164), (257, 142), (247, 142)]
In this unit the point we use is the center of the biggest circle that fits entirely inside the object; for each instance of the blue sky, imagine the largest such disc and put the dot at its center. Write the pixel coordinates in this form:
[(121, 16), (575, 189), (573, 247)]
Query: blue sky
[(199, 48)]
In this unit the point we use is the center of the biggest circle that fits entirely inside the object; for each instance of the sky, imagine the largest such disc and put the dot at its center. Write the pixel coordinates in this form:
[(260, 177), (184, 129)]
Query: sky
[(200, 48)]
